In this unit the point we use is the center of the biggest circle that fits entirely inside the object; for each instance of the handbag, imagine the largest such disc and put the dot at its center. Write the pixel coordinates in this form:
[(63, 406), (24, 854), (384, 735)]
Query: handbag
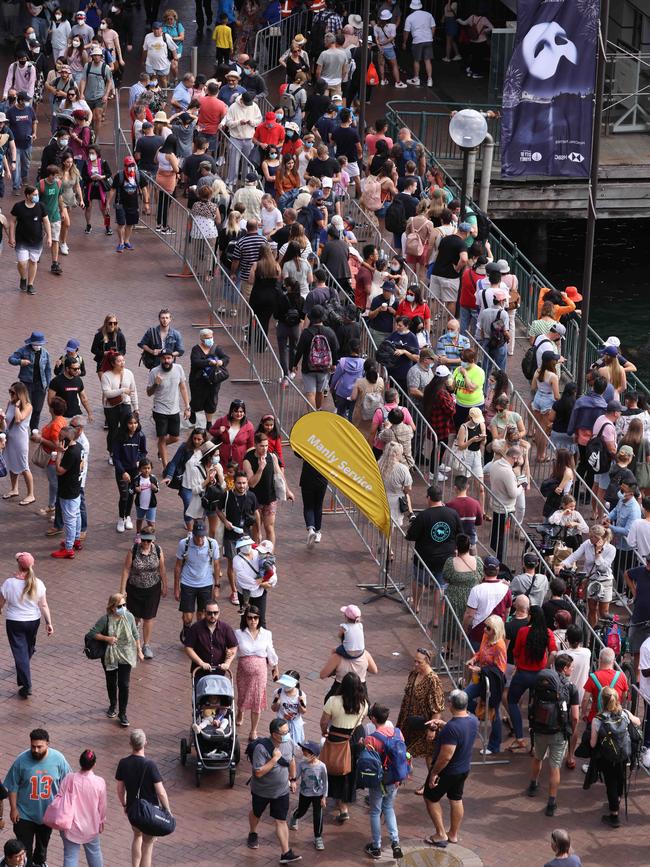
[(60, 811), (280, 486), (93, 648), (337, 755), (40, 458), (151, 819), (642, 472), (118, 399), (403, 504)]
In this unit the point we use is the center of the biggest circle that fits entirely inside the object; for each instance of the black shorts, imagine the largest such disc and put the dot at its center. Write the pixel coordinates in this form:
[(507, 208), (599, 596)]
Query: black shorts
[(167, 425), (194, 597), (126, 218), (279, 806), (229, 550), (450, 785)]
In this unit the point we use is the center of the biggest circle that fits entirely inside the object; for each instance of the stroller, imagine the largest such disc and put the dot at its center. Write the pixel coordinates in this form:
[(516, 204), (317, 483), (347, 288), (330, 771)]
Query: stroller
[(213, 729)]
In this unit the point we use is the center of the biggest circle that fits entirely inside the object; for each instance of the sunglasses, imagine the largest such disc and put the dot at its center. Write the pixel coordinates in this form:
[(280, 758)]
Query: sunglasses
[(252, 617), (424, 651), (211, 613), (112, 322)]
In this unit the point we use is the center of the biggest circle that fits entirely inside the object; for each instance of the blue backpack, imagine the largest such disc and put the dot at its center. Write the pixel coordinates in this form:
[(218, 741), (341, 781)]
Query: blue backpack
[(397, 762), (287, 199), (370, 771), (409, 152)]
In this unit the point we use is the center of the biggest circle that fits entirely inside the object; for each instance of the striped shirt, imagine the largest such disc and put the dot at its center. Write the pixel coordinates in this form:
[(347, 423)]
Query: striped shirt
[(247, 252)]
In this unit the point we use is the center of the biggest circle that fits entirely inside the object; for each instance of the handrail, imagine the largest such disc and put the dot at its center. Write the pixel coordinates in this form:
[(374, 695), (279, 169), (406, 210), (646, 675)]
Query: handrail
[(271, 42)]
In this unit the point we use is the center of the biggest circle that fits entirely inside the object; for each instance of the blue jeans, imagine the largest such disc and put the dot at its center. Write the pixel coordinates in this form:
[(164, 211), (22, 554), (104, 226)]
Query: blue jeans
[(383, 803), (499, 356), (52, 484), (186, 497), (71, 514), (23, 162), (344, 407), (473, 690), (522, 681), (58, 517), (92, 849), (468, 317)]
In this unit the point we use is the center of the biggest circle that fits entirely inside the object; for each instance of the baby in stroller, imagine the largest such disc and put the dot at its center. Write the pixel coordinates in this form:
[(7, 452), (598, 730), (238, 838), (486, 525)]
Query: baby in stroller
[(214, 727)]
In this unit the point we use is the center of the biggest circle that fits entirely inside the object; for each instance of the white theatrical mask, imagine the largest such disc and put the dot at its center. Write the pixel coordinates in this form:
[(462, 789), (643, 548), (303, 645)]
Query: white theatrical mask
[(544, 46)]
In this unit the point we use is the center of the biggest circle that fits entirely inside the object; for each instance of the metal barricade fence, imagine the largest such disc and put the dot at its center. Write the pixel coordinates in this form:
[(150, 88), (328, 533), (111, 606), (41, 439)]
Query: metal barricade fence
[(233, 165), (271, 42)]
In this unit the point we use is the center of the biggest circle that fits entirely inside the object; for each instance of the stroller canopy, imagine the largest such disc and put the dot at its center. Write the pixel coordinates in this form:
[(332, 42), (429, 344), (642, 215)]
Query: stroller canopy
[(214, 685)]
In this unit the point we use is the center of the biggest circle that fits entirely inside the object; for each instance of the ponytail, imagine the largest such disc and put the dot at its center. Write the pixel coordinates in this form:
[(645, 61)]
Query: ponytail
[(30, 588)]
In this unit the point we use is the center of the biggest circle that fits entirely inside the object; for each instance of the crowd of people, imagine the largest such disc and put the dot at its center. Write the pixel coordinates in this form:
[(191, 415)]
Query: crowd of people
[(275, 217)]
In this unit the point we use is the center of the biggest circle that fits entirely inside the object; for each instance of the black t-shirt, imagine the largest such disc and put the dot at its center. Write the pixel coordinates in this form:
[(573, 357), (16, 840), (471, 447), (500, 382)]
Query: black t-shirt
[(29, 224), (449, 252), (550, 609), (239, 509), (346, 139), (512, 628), (318, 168), (69, 389), (315, 107), (281, 237), (384, 322), (191, 166), (70, 481), (131, 771), (434, 532), (147, 146), (127, 193)]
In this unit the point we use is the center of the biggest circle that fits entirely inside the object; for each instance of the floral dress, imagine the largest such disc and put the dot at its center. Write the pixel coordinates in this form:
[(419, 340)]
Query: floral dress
[(426, 699), (460, 584)]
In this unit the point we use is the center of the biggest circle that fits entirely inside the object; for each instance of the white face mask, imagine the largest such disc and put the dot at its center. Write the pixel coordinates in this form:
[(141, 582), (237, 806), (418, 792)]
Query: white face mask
[(76, 43), (57, 17), (102, 26)]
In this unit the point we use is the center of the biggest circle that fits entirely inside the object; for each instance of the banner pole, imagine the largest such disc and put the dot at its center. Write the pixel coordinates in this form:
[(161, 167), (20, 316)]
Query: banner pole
[(592, 191)]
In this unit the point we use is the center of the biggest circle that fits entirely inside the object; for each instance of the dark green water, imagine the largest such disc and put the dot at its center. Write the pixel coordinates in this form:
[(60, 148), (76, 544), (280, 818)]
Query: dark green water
[(621, 280)]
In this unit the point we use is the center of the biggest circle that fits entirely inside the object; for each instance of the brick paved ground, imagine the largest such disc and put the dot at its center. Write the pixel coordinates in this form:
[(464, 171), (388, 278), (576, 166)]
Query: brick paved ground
[(501, 826)]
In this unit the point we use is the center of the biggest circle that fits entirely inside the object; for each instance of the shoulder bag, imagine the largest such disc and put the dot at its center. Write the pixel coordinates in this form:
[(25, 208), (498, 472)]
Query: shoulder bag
[(151, 819), (40, 458), (93, 647), (279, 482), (337, 755), (118, 399), (60, 811)]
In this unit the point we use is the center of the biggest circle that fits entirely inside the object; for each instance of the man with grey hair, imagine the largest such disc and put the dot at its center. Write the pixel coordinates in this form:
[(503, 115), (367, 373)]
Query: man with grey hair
[(138, 776), (605, 675), (450, 769)]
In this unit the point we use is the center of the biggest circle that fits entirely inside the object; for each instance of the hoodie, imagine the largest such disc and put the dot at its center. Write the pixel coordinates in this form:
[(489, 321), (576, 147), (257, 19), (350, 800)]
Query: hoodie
[(348, 370), (585, 412)]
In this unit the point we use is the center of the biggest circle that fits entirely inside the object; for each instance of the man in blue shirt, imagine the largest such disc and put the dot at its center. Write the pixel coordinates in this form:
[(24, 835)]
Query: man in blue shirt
[(32, 782), (407, 351), (449, 771), (23, 125), (196, 574)]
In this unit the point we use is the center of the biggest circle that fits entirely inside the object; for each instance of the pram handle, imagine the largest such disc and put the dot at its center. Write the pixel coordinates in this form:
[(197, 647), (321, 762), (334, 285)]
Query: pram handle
[(225, 672)]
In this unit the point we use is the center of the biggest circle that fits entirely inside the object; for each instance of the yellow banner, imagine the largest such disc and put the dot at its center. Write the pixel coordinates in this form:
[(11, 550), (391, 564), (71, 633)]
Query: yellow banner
[(340, 453)]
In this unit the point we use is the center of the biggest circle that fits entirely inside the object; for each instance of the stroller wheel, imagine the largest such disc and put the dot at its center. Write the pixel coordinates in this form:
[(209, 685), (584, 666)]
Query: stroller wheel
[(237, 752), (198, 778), (231, 778), (184, 751)]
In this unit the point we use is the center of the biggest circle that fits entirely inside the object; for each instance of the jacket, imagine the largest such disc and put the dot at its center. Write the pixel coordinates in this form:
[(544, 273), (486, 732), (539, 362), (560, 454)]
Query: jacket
[(173, 341), (155, 487), (621, 517), (585, 411), (199, 361), (347, 371), (503, 485), (128, 452), (26, 372), (99, 348), (236, 450), (399, 433), (319, 295), (238, 112)]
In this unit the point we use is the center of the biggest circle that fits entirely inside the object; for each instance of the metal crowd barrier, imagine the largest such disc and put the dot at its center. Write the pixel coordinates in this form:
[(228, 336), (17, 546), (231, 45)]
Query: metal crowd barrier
[(271, 42)]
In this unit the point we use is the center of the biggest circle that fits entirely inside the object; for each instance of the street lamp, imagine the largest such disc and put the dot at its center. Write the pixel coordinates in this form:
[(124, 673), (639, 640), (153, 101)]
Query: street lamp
[(468, 129)]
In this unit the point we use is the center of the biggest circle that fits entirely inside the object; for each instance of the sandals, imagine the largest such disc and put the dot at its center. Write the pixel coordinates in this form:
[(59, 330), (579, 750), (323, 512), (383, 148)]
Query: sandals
[(516, 747), (10, 495), (341, 818), (419, 791), (26, 501), (439, 844)]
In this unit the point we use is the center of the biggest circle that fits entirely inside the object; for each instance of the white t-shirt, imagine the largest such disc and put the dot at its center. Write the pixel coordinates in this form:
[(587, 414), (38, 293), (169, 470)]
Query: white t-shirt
[(581, 657), (353, 640), (385, 33), (638, 537), (21, 607), (156, 50), (484, 284), (419, 25), (484, 598), (644, 662), (270, 219), (145, 492)]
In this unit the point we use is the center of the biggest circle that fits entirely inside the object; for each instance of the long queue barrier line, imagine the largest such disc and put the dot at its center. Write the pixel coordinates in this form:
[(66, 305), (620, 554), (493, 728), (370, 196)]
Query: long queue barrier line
[(271, 42)]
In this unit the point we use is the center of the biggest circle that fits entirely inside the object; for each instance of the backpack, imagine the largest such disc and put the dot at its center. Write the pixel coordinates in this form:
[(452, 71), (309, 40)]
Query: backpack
[(147, 359), (229, 252), (288, 102), (397, 763), (409, 152), (370, 770), (613, 636), (306, 219), (319, 358), (548, 708), (101, 73), (267, 743), (614, 742), (483, 222), (600, 687), (529, 361), (333, 313), (395, 218), (292, 317), (497, 332), (287, 199), (414, 242), (210, 552), (597, 453), (385, 354), (134, 549), (371, 196), (370, 404)]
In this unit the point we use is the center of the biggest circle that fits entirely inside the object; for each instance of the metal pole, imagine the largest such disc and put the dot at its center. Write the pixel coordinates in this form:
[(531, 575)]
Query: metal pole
[(593, 193), (463, 188), (471, 172), (486, 172), (364, 69), (195, 60)]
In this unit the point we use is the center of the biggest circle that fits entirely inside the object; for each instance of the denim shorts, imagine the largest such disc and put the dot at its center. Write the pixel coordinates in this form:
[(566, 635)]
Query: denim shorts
[(148, 515), (389, 52), (314, 382)]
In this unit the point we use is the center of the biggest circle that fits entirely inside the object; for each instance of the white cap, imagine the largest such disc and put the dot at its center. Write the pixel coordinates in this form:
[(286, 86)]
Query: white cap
[(326, 182), (613, 341), (415, 4), (443, 370), (385, 15)]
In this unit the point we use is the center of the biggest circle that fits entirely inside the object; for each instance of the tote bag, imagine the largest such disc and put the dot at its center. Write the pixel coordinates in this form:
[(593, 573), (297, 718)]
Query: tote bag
[(60, 811)]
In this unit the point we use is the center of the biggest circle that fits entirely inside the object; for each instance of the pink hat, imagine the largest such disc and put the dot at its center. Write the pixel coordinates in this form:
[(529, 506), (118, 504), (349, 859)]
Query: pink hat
[(24, 560), (352, 612)]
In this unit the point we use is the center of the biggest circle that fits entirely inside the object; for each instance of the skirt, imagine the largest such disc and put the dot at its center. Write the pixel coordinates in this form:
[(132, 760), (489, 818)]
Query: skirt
[(251, 683), (167, 180), (143, 602)]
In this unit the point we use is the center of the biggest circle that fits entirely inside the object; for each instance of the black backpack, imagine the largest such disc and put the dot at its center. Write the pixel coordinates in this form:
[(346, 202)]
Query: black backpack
[(529, 361), (597, 453), (385, 354), (614, 742), (395, 218), (548, 707)]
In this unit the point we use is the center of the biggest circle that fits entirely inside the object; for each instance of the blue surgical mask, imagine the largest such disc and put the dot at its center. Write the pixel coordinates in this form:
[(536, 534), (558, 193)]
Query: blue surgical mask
[(410, 298), (208, 341), (285, 738), (466, 364), (121, 609), (35, 197), (279, 115)]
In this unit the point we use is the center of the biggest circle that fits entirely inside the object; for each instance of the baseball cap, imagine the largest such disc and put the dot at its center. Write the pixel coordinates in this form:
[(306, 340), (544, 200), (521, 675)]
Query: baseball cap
[(3, 117), (531, 560), (353, 612), (311, 747), (608, 350), (72, 345), (95, 50), (613, 341), (443, 370), (157, 24), (491, 563), (252, 177), (325, 182), (389, 286), (269, 116), (615, 406), (317, 194), (550, 356), (199, 529), (462, 227), (500, 294), (628, 451), (24, 559), (558, 328)]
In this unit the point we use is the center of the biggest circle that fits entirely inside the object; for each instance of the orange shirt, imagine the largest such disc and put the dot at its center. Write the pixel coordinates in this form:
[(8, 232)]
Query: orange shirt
[(52, 430), (559, 310), (492, 654)]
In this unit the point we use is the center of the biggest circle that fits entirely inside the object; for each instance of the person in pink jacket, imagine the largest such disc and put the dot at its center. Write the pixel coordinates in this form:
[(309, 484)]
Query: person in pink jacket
[(88, 807)]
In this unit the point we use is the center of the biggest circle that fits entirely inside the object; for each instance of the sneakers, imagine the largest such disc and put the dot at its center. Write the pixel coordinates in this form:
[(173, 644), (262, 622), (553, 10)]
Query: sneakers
[(318, 537), (124, 721), (400, 84), (55, 268), (645, 757), (414, 81), (311, 537), (128, 523), (429, 82), (23, 284), (109, 459), (119, 248), (289, 857), (446, 59), (252, 841), (54, 531), (128, 245), (88, 229), (533, 786), (457, 57), (64, 249), (397, 850), (551, 807), (319, 844), (612, 820), (234, 599), (167, 230), (372, 850), (63, 554), (384, 82), (120, 525), (111, 713), (77, 545), (108, 230), (30, 289), (293, 823), (147, 652)]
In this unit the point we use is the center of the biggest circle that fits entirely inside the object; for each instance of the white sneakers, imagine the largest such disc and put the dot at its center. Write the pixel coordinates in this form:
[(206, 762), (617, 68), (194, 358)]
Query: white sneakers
[(63, 249), (318, 537), (128, 523), (414, 81), (645, 757), (311, 537), (400, 84), (120, 525), (429, 82)]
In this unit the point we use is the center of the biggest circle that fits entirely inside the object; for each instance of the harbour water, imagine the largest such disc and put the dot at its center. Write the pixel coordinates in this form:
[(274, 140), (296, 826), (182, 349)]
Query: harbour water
[(621, 280)]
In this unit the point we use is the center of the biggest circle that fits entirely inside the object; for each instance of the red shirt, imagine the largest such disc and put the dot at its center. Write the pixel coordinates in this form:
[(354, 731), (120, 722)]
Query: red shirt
[(405, 308), (362, 286), (211, 112), (269, 135), (469, 511), (468, 282), (371, 142), (521, 658), (275, 447), (604, 676), (291, 146)]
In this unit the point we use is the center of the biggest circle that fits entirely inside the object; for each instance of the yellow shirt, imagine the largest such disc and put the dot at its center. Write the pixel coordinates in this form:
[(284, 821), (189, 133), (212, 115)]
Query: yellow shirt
[(222, 36)]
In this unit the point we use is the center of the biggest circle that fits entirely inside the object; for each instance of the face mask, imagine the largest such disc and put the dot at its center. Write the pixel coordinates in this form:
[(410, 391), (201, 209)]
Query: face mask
[(452, 334), (410, 298), (32, 37), (57, 17), (153, 83), (248, 72), (466, 365), (36, 50), (121, 609), (279, 115), (92, 157), (245, 549), (394, 269), (209, 341), (76, 43), (22, 63), (289, 134), (285, 738), (102, 26), (35, 198), (273, 155), (36, 346), (114, 9), (64, 142)]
